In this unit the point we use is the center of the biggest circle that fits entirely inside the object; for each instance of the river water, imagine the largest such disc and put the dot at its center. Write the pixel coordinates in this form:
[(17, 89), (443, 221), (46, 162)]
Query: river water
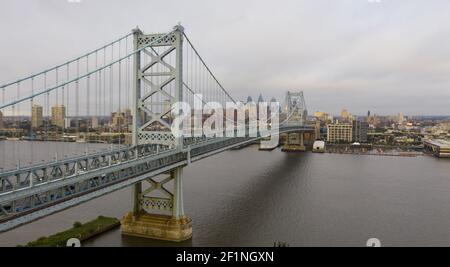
[(255, 198)]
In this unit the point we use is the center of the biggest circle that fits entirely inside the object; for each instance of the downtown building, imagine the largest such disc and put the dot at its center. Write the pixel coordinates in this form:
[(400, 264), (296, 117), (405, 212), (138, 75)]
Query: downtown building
[(122, 120), (59, 116), (323, 116), (36, 116)]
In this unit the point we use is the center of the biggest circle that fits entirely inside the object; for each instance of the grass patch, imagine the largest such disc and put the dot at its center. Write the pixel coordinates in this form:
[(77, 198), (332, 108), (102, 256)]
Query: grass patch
[(79, 230)]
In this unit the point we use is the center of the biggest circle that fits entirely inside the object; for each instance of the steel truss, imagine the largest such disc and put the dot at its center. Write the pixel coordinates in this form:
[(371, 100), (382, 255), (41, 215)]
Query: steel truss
[(151, 123), (30, 193), (25, 201), (295, 105)]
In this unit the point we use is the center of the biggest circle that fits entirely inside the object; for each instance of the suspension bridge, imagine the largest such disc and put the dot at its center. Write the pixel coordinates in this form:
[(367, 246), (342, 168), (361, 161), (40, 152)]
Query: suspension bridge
[(123, 94)]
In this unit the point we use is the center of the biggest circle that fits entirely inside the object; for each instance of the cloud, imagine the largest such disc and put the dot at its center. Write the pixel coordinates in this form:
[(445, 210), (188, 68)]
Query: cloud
[(388, 57)]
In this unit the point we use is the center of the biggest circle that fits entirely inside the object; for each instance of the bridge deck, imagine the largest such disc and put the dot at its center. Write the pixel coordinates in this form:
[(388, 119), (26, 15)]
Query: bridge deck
[(34, 192)]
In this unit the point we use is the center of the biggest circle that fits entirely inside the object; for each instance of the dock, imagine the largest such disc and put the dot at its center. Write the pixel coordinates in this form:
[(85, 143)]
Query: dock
[(438, 148)]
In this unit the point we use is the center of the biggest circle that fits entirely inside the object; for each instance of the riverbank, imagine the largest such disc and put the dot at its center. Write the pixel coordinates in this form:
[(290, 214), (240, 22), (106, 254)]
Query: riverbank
[(80, 231), (381, 154), (237, 198), (375, 150)]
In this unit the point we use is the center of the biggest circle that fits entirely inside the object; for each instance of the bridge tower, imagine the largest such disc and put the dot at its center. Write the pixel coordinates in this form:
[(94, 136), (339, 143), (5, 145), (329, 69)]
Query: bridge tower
[(158, 208), (295, 108)]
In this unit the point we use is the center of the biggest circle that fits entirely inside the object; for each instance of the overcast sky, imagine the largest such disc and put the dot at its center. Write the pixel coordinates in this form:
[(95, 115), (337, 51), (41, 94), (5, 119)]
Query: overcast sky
[(386, 57)]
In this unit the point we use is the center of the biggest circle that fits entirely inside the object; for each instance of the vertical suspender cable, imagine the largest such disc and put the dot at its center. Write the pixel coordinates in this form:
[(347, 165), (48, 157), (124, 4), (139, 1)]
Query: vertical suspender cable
[(77, 96), (128, 85), (16, 121), (47, 112), (67, 119), (88, 111), (95, 101), (120, 97), (104, 84), (111, 94), (57, 83), (31, 123), (4, 143)]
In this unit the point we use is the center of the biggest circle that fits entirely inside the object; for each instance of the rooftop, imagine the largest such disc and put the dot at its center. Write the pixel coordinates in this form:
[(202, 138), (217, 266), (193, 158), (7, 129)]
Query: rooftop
[(439, 142)]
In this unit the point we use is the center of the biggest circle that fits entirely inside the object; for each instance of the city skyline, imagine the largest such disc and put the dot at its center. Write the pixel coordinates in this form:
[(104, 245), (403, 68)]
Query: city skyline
[(43, 114), (224, 123), (360, 50), (25, 113)]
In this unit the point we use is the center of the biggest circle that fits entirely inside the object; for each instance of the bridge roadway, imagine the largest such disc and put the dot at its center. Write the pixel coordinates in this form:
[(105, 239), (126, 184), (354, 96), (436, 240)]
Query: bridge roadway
[(34, 192)]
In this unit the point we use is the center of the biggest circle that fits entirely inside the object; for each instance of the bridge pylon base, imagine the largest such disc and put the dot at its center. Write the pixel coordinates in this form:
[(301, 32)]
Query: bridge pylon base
[(293, 148), (160, 227), (294, 143)]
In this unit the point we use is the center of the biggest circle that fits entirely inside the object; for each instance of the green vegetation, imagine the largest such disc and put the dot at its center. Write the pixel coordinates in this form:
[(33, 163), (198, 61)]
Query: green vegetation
[(380, 130), (79, 230)]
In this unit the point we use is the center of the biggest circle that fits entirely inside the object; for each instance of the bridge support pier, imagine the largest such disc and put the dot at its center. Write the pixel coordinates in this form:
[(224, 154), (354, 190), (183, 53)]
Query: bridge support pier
[(141, 222), (294, 143)]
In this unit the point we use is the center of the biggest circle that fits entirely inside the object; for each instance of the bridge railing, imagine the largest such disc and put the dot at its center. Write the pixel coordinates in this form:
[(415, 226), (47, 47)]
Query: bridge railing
[(25, 190)]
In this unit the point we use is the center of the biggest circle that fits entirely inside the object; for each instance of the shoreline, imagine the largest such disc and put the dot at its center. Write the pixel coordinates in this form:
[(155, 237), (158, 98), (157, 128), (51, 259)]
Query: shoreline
[(82, 232), (401, 154)]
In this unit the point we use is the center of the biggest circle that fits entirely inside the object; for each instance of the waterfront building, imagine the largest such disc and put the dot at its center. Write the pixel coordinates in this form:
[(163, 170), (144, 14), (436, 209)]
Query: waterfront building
[(339, 133), (36, 116), (59, 116), (438, 148), (360, 130)]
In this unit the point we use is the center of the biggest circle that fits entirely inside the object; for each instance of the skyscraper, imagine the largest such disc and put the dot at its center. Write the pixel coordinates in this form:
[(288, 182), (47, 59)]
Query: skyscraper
[(401, 118), (260, 98), (322, 116), (59, 116), (36, 116), (360, 130), (345, 115)]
